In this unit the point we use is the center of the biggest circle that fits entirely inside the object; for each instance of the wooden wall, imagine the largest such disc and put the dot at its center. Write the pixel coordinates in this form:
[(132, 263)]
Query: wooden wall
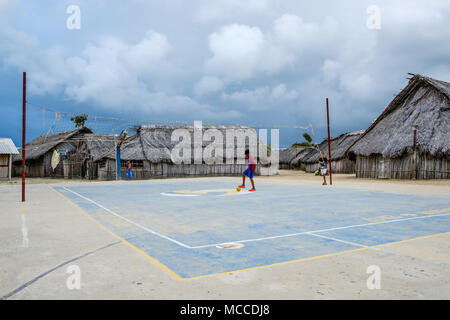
[(107, 170), (402, 168), (33, 168), (341, 166), (4, 161)]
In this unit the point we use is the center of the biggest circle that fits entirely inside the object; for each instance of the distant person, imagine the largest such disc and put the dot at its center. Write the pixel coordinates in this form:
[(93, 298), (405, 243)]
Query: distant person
[(250, 171), (129, 168), (323, 167)]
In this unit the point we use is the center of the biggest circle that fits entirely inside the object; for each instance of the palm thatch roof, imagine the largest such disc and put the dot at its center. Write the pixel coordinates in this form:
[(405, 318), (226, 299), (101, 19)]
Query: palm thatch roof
[(299, 159), (424, 102), (286, 155), (97, 145), (339, 147), (154, 142), (44, 143)]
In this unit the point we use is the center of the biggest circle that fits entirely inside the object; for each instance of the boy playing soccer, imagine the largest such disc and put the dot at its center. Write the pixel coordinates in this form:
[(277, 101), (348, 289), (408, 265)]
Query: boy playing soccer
[(250, 171)]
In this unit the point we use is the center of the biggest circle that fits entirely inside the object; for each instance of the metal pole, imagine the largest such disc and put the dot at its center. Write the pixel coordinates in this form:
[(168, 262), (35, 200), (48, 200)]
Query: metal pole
[(24, 107), (329, 144)]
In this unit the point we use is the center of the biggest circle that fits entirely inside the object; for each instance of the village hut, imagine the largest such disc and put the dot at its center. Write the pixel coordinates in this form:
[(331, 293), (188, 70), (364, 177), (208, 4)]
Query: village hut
[(287, 155), (150, 152), (7, 151), (298, 162), (40, 152), (91, 148), (411, 138), (340, 162), (308, 158)]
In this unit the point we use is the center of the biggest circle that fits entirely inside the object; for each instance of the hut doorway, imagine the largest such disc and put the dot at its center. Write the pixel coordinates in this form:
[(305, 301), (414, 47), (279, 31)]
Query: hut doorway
[(382, 171)]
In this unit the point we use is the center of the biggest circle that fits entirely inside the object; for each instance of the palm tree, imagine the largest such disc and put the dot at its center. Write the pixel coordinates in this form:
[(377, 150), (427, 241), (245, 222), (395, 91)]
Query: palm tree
[(307, 143), (79, 120)]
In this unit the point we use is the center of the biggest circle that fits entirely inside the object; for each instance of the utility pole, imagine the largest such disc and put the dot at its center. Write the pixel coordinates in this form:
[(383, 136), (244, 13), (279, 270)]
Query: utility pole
[(329, 144), (24, 109)]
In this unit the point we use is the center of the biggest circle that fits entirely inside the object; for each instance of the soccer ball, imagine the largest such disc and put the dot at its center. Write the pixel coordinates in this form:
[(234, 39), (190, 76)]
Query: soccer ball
[(316, 173), (238, 189)]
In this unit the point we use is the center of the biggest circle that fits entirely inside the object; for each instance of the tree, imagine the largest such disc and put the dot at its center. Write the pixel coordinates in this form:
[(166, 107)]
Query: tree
[(308, 143), (307, 137), (79, 120)]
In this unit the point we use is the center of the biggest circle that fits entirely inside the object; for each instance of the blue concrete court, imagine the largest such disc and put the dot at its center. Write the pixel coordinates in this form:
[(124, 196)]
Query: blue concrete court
[(203, 228)]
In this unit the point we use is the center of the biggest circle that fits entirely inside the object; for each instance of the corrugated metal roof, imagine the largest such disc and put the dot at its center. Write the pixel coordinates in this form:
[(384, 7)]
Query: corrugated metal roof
[(7, 146)]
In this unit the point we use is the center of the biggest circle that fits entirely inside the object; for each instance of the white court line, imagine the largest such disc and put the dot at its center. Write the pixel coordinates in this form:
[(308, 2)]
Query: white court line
[(178, 195), (255, 239), (322, 230), (130, 221), (380, 249), (343, 241)]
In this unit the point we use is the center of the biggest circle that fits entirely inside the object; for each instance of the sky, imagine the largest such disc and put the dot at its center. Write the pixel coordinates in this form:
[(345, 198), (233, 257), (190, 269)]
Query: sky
[(256, 62)]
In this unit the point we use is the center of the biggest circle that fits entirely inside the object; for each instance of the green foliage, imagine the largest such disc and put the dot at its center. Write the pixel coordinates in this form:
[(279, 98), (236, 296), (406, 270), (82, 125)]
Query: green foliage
[(79, 120), (307, 137), (307, 143), (301, 144)]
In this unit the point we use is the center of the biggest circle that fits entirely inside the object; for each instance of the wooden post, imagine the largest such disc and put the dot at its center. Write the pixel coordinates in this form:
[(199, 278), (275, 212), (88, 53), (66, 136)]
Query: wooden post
[(329, 144), (24, 107), (9, 166), (414, 164)]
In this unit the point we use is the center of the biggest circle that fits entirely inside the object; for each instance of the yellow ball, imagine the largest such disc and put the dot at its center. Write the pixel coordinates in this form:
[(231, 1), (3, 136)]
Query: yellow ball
[(238, 189)]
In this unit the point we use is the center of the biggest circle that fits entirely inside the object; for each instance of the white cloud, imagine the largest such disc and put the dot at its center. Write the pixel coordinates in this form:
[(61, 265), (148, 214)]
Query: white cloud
[(240, 52), (219, 9), (262, 98), (5, 4), (292, 32), (116, 69), (280, 92), (331, 72), (236, 51), (208, 85), (112, 75), (227, 56)]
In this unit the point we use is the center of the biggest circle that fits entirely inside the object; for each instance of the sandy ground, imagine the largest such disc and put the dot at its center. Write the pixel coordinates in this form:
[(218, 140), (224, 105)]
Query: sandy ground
[(42, 237)]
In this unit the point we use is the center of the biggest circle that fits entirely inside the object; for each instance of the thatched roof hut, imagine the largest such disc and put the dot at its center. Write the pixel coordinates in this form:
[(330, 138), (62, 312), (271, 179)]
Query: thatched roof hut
[(39, 153), (45, 143), (150, 152), (387, 149), (154, 143), (308, 158), (298, 161), (287, 155), (339, 147), (96, 146)]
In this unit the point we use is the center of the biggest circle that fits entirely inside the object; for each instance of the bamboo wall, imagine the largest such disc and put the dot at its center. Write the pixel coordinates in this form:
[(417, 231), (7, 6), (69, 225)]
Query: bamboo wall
[(342, 166), (154, 170), (402, 168)]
